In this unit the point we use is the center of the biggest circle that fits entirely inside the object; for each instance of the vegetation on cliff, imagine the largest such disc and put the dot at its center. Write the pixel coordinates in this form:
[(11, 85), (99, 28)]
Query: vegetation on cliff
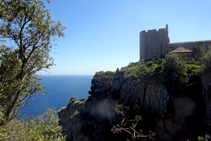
[(179, 76), (198, 52), (174, 72), (29, 25), (142, 71), (101, 83), (206, 60)]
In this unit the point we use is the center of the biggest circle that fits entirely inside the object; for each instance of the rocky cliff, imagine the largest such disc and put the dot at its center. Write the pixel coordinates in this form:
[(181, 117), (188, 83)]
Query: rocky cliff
[(171, 117)]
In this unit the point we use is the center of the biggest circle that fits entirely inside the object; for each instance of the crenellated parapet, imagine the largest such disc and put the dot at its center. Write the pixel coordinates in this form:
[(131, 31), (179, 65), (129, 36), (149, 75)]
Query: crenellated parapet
[(154, 43)]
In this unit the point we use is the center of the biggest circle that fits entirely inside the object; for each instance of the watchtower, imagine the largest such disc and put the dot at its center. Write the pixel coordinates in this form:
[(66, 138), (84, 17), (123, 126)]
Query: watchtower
[(154, 43)]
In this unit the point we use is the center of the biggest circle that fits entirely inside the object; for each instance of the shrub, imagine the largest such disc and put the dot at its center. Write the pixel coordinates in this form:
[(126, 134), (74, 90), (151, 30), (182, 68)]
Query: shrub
[(175, 72), (150, 70), (131, 65), (101, 82), (159, 61), (83, 99), (197, 52), (149, 64), (72, 99), (206, 60), (178, 75), (75, 114), (44, 127)]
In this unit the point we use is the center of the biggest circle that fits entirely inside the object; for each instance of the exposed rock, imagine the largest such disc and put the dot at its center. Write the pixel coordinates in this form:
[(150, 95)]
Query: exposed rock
[(171, 117)]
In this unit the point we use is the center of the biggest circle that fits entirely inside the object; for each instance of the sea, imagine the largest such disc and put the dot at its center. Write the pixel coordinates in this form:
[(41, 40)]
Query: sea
[(59, 88)]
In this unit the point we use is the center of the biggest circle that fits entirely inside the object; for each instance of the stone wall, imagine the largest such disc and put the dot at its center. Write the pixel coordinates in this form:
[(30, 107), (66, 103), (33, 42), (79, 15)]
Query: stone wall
[(189, 45), (154, 43)]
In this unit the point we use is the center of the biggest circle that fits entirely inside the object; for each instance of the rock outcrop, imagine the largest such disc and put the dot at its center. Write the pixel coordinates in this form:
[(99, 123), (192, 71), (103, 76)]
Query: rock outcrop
[(171, 117)]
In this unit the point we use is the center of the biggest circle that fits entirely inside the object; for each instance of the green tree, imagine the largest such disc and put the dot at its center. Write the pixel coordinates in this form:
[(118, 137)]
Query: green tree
[(29, 25), (174, 72), (206, 60), (179, 76), (101, 83), (197, 52)]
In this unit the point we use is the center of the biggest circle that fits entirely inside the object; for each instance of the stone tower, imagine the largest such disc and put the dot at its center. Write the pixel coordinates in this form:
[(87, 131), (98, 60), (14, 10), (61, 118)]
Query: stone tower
[(154, 43)]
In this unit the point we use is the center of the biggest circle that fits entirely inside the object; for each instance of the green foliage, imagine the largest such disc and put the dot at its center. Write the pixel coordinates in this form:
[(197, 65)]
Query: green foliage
[(175, 72), (72, 99), (150, 70), (42, 128), (197, 52), (205, 138), (101, 82), (159, 61), (3, 134), (206, 60), (179, 76), (129, 66), (28, 24), (75, 113), (83, 99), (15, 92), (201, 138)]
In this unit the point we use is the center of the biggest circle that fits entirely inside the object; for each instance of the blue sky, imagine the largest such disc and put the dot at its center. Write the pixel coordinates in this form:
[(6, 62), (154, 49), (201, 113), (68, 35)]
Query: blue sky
[(103, 35)]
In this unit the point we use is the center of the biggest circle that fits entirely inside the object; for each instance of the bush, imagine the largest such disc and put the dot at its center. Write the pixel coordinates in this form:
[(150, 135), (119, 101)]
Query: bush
[(75, 114), (101, 82), (175, 72), (131, 65), (83, 99), (197, 52), (150, 70), (206, 60), (178, 75), (72, 99), (159, 61), (44, 127)]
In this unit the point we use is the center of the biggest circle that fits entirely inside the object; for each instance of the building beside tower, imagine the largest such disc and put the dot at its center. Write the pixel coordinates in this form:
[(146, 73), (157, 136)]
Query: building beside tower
[(156, 44)]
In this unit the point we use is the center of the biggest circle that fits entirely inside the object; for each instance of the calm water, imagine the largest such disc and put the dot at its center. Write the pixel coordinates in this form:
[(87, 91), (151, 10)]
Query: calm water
[(59, 88)]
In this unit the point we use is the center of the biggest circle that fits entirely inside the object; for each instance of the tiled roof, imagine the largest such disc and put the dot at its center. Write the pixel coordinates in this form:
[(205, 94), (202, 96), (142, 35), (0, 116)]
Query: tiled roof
[(181, 49)]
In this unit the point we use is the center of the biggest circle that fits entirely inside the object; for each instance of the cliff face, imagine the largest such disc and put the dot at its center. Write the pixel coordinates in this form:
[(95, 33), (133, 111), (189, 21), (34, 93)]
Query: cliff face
[(171, 117)]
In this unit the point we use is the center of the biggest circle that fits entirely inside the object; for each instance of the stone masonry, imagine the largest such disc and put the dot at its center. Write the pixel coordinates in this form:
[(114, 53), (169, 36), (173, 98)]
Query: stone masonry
[(156, 44)]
